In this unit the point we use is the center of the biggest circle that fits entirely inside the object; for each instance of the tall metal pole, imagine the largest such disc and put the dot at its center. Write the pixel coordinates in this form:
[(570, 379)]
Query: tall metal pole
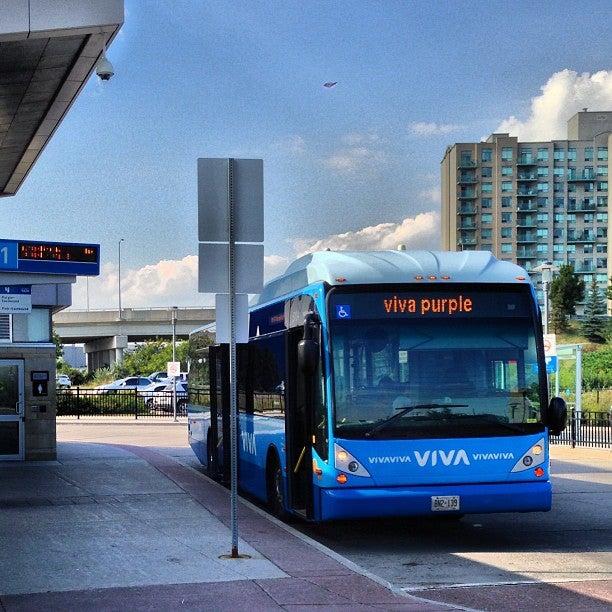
[(119, 278), (174, 313), (545, 285), (232, 363)]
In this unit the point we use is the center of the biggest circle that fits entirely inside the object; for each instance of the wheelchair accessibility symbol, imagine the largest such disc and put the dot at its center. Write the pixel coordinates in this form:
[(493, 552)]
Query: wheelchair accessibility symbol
[(343, 311)]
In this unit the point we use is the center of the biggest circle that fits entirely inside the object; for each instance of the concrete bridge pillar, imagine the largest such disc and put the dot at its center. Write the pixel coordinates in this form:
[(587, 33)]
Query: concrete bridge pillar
[(105, 352)]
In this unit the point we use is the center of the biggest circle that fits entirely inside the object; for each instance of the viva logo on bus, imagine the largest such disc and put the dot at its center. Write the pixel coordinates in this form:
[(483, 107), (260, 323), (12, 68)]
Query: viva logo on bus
[(426, 305), (433, 457)]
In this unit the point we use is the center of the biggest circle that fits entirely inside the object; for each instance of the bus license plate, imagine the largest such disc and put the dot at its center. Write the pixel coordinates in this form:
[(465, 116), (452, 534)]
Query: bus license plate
[(444, 503)]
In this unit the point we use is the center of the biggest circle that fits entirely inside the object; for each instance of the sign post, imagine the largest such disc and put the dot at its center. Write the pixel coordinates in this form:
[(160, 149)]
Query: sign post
[(230, 231)]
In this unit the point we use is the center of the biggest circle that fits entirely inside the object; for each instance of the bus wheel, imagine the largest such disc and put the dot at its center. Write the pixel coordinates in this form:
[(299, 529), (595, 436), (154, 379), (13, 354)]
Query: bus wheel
[(274, 478), (211, 467)]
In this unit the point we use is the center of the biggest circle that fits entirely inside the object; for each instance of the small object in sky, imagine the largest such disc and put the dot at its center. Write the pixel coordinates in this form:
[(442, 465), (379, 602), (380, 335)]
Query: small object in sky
[(330, 84)]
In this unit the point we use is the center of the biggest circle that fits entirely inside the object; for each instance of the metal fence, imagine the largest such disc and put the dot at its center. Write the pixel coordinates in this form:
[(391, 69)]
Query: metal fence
[(81, 403), (592, 429)]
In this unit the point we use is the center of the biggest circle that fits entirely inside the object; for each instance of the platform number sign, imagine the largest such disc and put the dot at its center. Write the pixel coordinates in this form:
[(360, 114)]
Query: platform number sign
[(8, 255)]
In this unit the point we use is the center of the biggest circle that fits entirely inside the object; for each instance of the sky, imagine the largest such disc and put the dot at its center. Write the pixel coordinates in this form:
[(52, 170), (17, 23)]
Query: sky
[(354, 166)]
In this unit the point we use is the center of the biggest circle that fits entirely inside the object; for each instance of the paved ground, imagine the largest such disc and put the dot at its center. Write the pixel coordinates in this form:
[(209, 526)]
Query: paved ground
[(559, 559), (118, 527)]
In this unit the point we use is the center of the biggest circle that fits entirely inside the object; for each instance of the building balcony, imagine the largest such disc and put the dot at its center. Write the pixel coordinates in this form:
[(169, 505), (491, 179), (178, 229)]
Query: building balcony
[(466, 163), (522, 193), (467, 180), (526, 206), (466, 210), (581, 208), (526, 221), (581, 176), (468, 195), (467, 241), (581, 237), (585, 267), (523, 160), (467, 226), (527, 176), (526, 237), (526, 254)]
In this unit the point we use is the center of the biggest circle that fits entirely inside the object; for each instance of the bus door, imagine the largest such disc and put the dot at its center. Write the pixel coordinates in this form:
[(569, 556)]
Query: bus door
[(218, 454), (298, 429)]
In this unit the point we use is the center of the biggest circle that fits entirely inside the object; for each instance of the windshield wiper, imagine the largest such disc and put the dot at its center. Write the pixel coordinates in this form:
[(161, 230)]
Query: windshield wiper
[(406, 410)]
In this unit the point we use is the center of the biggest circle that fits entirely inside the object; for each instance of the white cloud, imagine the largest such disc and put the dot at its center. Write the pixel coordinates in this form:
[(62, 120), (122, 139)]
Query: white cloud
[(419, 232), (424, 128), (431, 195), (565, 93), (169, 282), (353, 159), (295, 145), (357, 138)]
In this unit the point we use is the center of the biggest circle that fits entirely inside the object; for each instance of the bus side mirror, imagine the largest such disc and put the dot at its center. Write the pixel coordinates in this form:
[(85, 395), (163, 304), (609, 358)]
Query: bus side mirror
[(556, 416), (308, 347)]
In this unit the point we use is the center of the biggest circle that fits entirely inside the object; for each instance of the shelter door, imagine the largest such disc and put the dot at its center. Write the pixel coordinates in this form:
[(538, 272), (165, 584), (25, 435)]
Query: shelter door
[(11, 410)]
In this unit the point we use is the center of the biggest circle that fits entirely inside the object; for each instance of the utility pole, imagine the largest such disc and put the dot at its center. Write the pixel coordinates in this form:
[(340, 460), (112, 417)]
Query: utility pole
[(119, 279), (174, 315)]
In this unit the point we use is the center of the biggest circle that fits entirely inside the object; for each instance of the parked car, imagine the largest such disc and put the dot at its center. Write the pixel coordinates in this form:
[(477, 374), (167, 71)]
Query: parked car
[(150, 392), (62, 381), (163, 401), (129, 383), (159, 377)]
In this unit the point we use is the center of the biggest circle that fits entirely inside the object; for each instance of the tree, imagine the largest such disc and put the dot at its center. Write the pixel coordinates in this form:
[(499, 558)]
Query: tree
[(593, 324), (59, 347), (609, 290), (566, 290)]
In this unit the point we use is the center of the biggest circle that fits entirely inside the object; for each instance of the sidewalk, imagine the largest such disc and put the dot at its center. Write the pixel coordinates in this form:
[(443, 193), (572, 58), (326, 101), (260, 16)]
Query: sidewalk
[(124, 527)]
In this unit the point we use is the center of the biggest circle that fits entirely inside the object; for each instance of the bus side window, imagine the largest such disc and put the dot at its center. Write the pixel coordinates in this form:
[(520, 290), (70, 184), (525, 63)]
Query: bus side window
[(268, 375)]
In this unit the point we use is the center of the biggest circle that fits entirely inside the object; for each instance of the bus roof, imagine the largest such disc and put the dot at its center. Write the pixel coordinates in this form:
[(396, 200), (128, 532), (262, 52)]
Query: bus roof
[(378, 267)]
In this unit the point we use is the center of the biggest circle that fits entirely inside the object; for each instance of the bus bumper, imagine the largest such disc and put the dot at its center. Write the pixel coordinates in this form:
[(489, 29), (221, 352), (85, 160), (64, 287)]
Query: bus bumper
[(416, 501)]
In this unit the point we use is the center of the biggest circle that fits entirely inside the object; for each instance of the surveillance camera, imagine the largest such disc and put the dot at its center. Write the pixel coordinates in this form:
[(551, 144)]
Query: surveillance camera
[(104, 69)]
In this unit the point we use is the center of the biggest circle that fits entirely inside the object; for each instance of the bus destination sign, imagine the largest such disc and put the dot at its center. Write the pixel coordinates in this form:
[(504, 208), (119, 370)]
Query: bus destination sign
[(49, 257)]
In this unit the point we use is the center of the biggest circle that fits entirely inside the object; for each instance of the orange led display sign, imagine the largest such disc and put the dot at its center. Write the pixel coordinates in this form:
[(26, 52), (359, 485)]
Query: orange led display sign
[(424, 305)]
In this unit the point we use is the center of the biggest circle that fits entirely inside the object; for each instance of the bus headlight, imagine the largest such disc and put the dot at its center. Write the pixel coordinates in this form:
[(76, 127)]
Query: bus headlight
[(531, 458), (344, 461)]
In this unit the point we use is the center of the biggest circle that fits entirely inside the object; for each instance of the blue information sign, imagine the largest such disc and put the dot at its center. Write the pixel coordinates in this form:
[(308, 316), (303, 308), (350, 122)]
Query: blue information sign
[(49, 257), (16, 289), (551, 365)]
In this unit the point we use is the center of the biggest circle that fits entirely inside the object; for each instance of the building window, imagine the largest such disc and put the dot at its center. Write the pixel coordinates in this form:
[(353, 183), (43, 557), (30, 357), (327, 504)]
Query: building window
[(602, 153), (602, 170), (587, 249), (588, 153), (558, 202), (542, 232), (506, 170), (558, 248), (486, 155), (39, 325), (602, 185), (602, 217), (558, 172), (487, 247), (542, 202), (506, 217), (571, 154), (486, 218), (542, 217), (559, 154), (506, 153), (559, 218), (602, 201), (486, 172), (558, 186), (485, 234), (571, 218), (506, 186), (506, 202), (602, 248), (542, 170), (543, 187), (506, 232), (542, 154), (542, 248), (506, 248), (486, 202), (487, 187)]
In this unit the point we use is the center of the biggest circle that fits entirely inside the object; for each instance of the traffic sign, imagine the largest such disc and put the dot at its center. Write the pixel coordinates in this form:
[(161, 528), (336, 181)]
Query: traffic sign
[(173, 368), (550, 345), (15, 299), (49, 257), (213, 267)]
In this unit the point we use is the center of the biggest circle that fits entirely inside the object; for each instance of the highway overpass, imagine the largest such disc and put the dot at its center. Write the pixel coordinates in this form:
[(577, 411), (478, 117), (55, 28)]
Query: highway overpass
[(105, 335)]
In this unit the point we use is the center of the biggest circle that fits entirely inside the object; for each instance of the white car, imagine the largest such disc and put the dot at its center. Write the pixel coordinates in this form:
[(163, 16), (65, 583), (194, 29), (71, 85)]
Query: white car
[(62, 381), (124, 384)]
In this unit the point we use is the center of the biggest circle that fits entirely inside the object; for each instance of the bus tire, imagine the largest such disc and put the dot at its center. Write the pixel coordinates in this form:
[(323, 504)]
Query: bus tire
[(211, 463), (274, 486)]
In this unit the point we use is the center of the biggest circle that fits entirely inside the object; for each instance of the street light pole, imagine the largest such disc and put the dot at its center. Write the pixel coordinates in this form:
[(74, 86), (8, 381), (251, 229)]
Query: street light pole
[(119, 278), (174, 314)]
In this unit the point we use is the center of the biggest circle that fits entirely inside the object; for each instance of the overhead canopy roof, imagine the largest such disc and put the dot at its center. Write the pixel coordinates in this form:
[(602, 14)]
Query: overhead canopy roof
[(47, 52)]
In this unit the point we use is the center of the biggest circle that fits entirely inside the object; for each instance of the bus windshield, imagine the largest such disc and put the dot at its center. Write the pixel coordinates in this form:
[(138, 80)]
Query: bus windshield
[(436, 364)]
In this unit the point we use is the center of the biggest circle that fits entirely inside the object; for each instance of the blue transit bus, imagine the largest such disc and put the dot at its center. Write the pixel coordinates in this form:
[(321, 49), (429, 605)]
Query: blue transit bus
[(387, 383)]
